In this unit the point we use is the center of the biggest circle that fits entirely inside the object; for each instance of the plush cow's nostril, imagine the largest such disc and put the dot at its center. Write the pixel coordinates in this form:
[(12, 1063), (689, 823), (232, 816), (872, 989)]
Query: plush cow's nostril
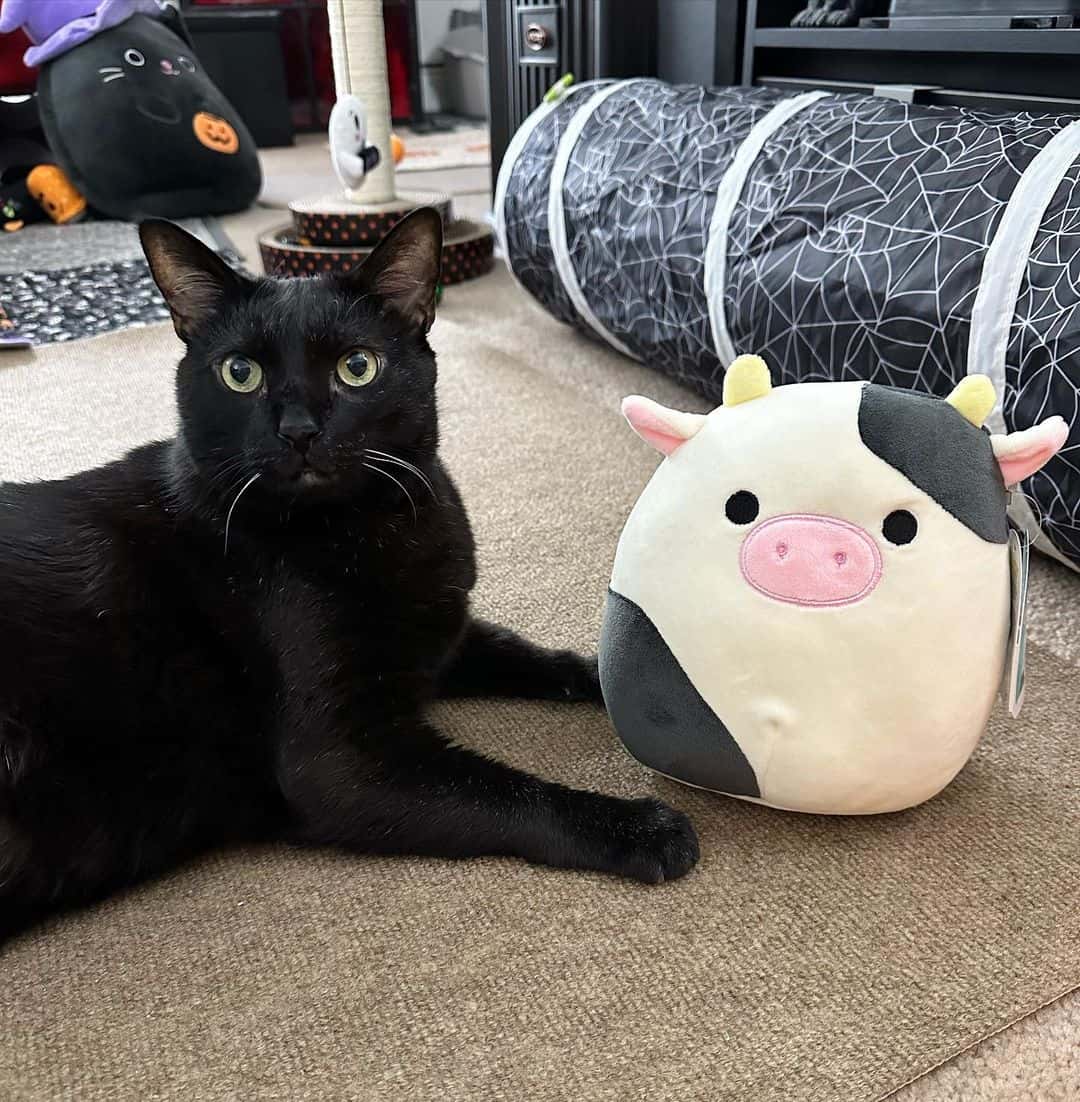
[(840, 557), (781, 550)]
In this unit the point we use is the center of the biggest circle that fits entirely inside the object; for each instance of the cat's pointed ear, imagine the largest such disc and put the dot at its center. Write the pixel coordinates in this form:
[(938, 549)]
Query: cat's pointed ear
[(193, 280), (404, 268)]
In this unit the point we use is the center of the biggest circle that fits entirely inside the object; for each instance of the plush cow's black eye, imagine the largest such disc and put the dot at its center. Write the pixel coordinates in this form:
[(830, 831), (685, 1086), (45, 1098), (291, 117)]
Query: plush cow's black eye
[(742, 507), (900, 527)]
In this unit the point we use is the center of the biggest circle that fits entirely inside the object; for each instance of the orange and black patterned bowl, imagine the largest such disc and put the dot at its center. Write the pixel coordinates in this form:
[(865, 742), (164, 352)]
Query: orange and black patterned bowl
[(468, 252), (329, 222)]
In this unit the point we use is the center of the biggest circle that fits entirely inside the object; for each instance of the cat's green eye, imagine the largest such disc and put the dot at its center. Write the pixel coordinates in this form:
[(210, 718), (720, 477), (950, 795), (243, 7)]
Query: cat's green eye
[(241, 373), (358, 367)]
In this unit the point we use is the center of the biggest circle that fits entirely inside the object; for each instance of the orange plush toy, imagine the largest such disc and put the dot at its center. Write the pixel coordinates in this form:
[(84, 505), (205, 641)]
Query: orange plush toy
[(58, 196)]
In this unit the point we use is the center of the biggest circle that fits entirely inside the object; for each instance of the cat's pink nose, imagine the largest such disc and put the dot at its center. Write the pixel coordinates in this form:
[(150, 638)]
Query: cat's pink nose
[(809, 560)]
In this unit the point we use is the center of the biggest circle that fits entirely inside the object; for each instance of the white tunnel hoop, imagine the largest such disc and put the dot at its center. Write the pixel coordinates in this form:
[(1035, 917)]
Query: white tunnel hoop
[(509, 162), (560, 248), (727, 196), (1003, 270)]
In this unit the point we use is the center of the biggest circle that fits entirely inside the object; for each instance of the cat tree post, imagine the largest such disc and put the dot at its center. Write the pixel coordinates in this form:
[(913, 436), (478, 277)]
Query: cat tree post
[(357, 42), (335, 232)]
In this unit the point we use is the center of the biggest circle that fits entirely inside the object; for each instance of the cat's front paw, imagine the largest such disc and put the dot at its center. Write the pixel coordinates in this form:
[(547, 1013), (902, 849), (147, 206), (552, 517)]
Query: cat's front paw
[(583, 679), (655, 843)]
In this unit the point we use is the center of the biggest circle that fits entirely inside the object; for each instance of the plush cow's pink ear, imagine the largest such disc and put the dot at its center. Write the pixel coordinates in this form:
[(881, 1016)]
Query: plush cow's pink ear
[(666, 429), (1021, 454)]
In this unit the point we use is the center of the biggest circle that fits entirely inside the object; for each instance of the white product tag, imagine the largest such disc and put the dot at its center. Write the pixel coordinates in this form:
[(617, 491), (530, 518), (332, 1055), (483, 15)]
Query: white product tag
[(1012, 688)]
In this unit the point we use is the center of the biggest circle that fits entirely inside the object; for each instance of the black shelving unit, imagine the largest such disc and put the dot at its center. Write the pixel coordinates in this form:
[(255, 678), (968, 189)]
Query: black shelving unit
[(1023, 69), (904, 41), (241, 51), (589, 38)]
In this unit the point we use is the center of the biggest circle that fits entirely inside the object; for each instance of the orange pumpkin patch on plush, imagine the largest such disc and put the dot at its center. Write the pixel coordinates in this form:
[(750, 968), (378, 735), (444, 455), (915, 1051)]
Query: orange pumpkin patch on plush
[(215, 133)]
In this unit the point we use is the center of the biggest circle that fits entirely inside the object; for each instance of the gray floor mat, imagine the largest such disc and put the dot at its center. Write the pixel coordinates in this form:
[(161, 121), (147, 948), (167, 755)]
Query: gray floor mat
[(60, 283)]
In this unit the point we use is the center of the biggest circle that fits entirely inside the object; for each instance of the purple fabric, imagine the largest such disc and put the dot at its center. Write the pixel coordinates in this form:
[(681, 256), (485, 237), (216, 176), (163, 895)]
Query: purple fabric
[(56, 26)]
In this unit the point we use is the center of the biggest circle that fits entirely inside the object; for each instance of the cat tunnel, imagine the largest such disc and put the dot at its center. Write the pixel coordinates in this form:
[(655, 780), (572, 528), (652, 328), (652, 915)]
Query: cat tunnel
[(839, 236)]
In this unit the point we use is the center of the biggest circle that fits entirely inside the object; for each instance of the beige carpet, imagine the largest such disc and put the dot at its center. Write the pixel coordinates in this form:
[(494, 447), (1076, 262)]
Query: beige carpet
[(805, 959)]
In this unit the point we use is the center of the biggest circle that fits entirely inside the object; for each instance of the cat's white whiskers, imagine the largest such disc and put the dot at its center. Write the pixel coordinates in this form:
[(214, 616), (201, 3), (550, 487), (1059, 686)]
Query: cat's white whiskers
[(398, 461), (228, 516), (110, 69), (399, 484), (113, 76), (386, 457)]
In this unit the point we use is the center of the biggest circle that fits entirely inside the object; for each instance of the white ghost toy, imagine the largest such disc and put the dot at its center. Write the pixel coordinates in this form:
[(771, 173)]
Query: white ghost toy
[(350, 154)]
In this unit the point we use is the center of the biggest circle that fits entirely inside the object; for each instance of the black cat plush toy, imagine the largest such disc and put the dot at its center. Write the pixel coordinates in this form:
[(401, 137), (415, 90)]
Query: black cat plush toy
[(133, 118)]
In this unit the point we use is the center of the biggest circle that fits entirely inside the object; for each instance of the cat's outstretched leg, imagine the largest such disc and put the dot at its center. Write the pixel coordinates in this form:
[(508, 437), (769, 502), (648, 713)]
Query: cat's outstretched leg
[(495, 661), (402, 787)]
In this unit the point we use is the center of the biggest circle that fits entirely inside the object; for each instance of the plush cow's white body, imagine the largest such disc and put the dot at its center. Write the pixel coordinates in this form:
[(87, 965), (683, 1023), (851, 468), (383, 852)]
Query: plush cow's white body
[(862, 685)]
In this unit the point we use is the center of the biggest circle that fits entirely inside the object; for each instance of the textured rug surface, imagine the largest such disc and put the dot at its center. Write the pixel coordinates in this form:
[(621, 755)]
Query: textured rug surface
[(60, 283), (805, 959)]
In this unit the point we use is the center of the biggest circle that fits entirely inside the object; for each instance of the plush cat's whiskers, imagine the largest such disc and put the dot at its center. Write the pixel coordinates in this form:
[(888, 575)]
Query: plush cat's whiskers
[(400, 485), (228, 516), (386, 457), (111, 72)]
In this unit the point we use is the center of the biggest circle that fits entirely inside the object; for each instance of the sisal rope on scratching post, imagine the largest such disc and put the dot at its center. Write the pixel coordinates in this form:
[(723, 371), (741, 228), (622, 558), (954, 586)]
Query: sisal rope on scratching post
[(358, 44)]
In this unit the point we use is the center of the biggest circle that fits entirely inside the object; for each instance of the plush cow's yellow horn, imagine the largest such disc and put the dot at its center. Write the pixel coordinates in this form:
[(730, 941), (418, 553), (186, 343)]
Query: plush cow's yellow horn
[(974, 397), (747, 378)]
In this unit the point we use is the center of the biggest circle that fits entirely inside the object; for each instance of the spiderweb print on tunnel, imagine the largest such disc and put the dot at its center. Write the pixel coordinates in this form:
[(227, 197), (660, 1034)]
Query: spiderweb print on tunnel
[(857, 245), (638, 196), (854, 251), (857, 248)]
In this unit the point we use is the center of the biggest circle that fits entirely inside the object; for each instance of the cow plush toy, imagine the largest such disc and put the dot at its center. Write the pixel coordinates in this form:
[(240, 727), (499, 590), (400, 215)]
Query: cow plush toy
[(810, 603)]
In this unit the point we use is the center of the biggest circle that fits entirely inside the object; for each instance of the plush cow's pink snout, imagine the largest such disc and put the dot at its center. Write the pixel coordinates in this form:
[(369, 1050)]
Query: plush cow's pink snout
[(808, 560)]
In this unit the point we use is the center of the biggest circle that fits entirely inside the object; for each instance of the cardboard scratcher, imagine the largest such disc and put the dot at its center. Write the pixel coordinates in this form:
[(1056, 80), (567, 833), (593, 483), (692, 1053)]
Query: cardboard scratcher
[(327, 236)]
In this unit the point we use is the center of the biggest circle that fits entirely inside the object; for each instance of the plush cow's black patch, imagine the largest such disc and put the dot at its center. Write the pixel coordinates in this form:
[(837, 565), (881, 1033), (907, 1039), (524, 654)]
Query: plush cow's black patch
[(941, 452), (658, 713)]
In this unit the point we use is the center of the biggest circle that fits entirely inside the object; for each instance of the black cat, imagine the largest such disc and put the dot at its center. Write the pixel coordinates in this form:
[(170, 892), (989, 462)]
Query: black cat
[(235, 634)]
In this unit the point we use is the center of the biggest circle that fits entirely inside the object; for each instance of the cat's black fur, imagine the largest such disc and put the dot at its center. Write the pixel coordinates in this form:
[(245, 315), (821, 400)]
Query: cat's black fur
[(173, 678)]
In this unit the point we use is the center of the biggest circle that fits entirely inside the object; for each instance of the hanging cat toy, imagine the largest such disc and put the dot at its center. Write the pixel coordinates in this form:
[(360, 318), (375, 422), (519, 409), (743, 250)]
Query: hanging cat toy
[(353, 158)]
